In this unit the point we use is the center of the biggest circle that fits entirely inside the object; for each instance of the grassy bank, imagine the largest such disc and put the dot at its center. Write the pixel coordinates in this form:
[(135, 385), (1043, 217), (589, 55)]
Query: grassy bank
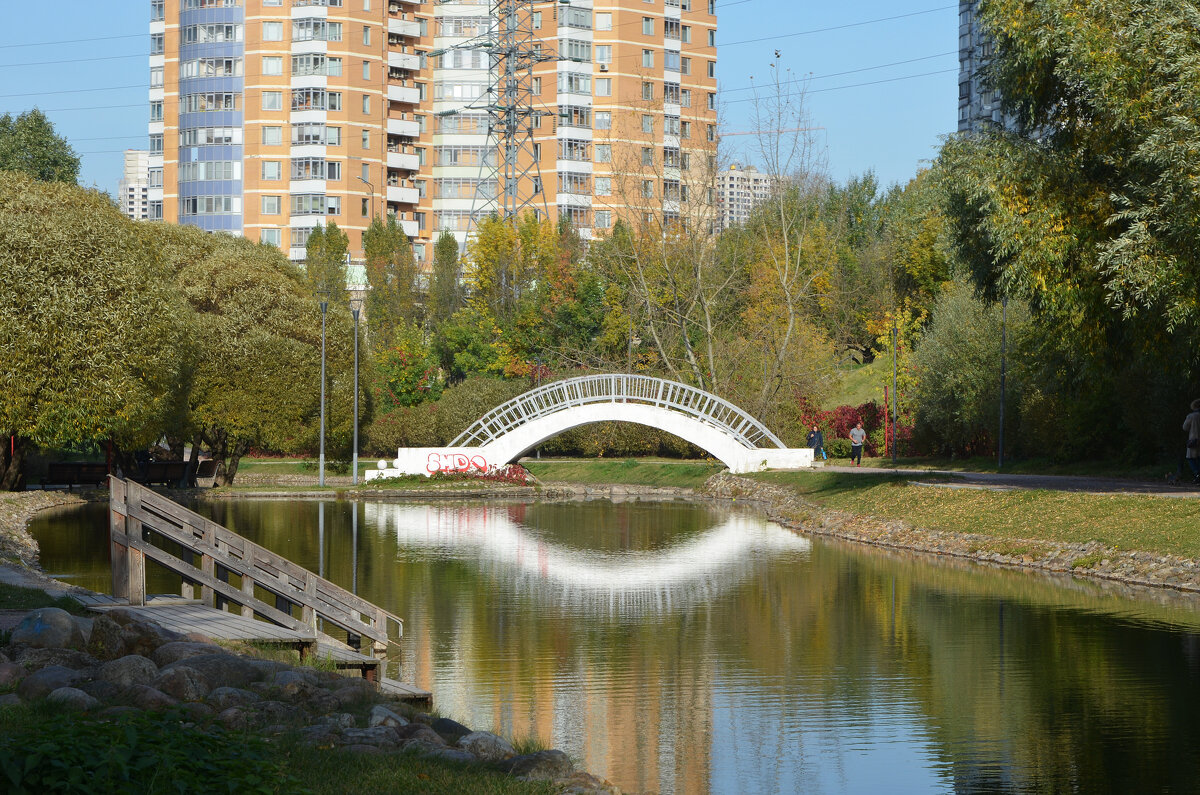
[(1131, 522), (629, 471)]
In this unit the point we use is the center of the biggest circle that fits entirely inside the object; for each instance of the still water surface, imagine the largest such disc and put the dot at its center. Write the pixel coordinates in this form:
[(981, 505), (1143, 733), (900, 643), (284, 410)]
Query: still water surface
[(682, 648)]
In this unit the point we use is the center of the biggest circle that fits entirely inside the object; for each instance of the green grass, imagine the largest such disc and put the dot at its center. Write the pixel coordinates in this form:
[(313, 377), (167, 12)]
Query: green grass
[(1036, 466), (1161, 525), (860, 383), (16, 597), (629, 471)]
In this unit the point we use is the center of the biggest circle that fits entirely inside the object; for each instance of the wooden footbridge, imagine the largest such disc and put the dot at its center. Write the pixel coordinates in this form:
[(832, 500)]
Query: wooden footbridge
[(246, 592)]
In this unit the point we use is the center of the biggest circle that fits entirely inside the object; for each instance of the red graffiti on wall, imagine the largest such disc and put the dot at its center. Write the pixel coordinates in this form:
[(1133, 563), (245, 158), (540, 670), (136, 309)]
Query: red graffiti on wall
[(455, 462)]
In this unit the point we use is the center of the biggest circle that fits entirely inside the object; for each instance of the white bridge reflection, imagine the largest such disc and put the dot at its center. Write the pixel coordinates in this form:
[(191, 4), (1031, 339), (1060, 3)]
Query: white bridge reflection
[(625, 584)]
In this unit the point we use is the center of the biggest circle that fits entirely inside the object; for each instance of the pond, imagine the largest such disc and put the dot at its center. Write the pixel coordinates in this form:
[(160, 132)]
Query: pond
[(689, 648)]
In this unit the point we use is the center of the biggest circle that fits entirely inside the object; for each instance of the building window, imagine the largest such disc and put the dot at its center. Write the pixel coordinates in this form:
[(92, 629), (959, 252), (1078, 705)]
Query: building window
[(712, 38), (155, 177), (603, 153), (366, 36), (316, 30), (156, 110), (155, 213), (156, 44), (671, 60), (272, 100), (156, 77), (333, 205), (272, 31), (270, 237), (603, 218), (685, 65), (604, 86), (687, 34), (272, 136), (647, 91), (712, 68), (712, 132), (685, 129), (603, 21), (604, 53), (648, 58), (366, 104), (271, 205), (308, 204), (366, 139), (156, 143), (366, 70), (574, 83), (712, 101), (271, 170), (537, 20), (648, 188), (647, 156), (603, 186), (272, 65), (647, 123), (158, 10), (647, 26)]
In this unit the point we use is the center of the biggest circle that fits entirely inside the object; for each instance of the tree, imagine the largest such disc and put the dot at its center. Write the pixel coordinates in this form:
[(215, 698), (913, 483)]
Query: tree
[(325, 262), (28, 144), (91, 331), (391, 274), (445, 292)]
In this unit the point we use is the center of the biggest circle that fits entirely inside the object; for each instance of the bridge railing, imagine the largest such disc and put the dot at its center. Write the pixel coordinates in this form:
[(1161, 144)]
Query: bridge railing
[(618, 388)]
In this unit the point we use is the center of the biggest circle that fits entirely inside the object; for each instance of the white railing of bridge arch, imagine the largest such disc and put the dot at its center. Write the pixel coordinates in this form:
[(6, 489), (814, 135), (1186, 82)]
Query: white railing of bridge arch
[(619, 388)]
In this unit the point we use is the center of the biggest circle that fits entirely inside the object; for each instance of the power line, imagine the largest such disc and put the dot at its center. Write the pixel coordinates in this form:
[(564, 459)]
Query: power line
[(839, 74), (852, 85), (73, 41), (839, 27), (73, 60), (75, 91)]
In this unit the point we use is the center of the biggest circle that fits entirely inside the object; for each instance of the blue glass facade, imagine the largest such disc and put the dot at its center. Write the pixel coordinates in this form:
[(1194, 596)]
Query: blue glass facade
[(224, 221)]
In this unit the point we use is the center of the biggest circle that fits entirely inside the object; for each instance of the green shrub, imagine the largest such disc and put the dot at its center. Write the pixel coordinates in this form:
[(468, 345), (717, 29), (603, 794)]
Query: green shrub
[(45, 751), (837, 448)]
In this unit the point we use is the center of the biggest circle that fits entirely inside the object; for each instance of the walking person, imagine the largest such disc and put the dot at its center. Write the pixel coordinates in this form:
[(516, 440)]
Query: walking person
[(1191, 424), (857, 437), (816, 440)]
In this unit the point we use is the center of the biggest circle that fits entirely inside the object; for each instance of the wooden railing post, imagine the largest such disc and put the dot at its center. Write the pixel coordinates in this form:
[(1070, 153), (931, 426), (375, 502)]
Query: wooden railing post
[(206, 565), (136, 558), (248, 589), (308, 614), (118, 552)]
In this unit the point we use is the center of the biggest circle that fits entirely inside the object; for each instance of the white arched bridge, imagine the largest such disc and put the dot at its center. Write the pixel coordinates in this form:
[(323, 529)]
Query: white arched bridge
[(513, 428)]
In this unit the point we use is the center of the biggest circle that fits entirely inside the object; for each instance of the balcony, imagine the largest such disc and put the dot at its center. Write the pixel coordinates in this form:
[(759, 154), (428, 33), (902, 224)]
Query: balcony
[(410, 228), (404, 27), (403, 127), (402, 160), (402, 195), (404, 60), (406, 94)]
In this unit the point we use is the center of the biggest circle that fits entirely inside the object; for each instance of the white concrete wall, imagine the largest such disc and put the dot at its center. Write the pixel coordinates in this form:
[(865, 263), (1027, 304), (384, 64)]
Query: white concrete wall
[(715, 441)]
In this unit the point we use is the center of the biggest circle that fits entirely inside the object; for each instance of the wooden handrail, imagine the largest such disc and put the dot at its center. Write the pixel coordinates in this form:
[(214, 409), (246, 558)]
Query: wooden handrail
[(135, 510)]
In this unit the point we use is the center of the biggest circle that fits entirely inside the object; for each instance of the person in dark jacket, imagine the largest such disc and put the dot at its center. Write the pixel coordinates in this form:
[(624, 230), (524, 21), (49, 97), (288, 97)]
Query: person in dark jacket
[(816, 440)]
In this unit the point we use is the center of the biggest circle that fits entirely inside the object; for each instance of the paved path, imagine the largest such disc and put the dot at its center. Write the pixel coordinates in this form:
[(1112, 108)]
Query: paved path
[(1004, 482)]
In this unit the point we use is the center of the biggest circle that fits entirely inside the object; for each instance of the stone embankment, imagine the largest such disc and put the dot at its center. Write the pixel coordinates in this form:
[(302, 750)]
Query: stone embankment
[(120, 663), (1091, 559), (16, 509)]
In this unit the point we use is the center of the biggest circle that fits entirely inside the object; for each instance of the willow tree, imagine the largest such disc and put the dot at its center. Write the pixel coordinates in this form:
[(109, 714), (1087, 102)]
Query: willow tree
[(29, 144), (91, 329)]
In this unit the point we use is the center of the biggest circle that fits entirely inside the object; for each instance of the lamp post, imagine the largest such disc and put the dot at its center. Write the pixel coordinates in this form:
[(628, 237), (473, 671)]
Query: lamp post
[(354, 462), (1003, 376), (324, 309), (371, 188), (895, 397)]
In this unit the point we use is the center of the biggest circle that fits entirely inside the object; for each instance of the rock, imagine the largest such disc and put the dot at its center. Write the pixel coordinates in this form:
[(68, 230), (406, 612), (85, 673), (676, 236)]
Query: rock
[(487, 746), (85, 628), (423, 717), (197, 711), (349, 696), (144, 637), (419, 732), (382, 716), (234, 718), (72, 698), (33, 658), (132, 669), (10, 674), (178, 650), (40, 684), (541, 766), (450, 729), (198, 637), (48, 628), (267, 669), (450, 754), (320, 734), (107, 642), (183, 683), (378, 735), (4, 658), (340, 720), (223, 698), (105, 691), (322, 701), (9, 700), (293, 685), (587, 784), (363, 749), (146, 697), (221, 669), (276, 712)]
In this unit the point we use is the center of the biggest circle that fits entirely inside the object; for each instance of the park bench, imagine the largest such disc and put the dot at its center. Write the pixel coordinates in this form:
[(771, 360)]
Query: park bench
[(168, 473), (74, 473)]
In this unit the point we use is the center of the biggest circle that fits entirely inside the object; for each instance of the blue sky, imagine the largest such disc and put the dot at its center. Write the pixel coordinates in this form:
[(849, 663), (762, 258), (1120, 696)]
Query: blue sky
[(84, 62)]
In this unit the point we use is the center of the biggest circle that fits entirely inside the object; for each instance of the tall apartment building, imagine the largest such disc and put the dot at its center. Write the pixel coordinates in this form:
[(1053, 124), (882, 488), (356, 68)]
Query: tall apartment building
[(978, 105), (133, 189), (738, 190), (269, 117)]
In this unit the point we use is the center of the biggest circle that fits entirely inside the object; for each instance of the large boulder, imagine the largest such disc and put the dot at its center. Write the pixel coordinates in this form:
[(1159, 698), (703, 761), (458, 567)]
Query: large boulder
[(382, 716), (450, 729), (541, 766), (106, 642), (144, 637), (383, 736), (10, 674), (487, 746), (132, 669), (294, 685), (223, 698), (222, 669), (105, 691), (419, 733), (182, 683), (40, 684), (146, 697), (73, 699), (48, 628), (181, 650), (33, 658)]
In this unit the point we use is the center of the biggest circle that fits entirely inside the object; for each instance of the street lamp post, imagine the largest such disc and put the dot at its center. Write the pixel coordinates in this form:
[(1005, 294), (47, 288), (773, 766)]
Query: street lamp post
[(1003, 376), (371, 188), (895, 396), (354, 463), (324, 309)]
